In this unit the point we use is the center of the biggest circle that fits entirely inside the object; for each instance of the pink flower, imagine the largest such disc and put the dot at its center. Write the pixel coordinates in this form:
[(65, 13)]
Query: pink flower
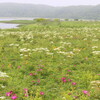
[(25, 89), (98, 74), (26, 95), (19, 67), (64, 81), (9, 93), (69, 70), (26, 92), (63, 78), (86, 92), (69, 80), (31, 74), (38, 81), (41, 93), (76, 97), (73, 83), (34, 73), (39, 69), (14, 97)]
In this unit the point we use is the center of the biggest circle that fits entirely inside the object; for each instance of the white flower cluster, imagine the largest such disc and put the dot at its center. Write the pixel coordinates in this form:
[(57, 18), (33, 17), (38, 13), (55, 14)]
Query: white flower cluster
[(66, 43), (2, 74), (40, 49), (76, 50), (16, 45), (96, 52), (68, 54), (95, 84), (2, 97), (25, 50), (94, 47), (2, 86), (94, 40)]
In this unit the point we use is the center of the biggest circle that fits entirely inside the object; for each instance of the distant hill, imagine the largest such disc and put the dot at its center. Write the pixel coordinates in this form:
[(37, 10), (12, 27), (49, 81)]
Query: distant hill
[(31, 10)]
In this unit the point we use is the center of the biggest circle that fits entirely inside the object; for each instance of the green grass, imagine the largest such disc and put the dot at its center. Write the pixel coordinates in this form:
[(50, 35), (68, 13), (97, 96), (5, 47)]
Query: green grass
[(38, 55), (18, 21)]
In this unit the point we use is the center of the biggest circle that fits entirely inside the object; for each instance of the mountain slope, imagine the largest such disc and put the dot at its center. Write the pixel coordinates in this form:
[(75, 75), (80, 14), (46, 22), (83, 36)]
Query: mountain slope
[(31, 10)]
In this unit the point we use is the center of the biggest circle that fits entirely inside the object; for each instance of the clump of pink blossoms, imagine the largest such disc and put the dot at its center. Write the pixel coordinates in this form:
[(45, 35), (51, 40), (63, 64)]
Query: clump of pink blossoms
[(64, 79), (74, 83), (26, 92), (86, 92), (41, 93), (9, 93), (14, 97)]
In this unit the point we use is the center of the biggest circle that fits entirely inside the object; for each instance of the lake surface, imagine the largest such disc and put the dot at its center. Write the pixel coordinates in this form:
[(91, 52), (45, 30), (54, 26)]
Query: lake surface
[(8, 19), (9, 26)]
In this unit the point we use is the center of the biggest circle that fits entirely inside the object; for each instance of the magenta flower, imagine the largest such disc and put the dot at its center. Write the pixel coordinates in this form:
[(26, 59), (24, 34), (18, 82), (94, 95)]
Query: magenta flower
[(9, 93), (41, 93), (86, 92), (64, 81), (14, 97), (63, 78), (74, 83)]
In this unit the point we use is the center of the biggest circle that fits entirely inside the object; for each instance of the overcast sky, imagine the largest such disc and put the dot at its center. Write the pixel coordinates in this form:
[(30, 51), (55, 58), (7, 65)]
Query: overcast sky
[(57, 2)]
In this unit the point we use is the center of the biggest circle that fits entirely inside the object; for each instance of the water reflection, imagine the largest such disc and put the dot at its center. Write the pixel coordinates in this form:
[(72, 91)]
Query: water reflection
[(8, 26)]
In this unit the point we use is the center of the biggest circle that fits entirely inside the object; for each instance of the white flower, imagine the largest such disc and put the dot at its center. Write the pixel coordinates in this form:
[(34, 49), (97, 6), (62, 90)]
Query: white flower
[(2, 97), (57, 48), (2, 74), (95, 40), (48, 53), (96, 52)]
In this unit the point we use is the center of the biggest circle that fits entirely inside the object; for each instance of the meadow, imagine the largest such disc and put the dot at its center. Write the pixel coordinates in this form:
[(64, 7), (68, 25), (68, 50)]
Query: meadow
[(50, 61)]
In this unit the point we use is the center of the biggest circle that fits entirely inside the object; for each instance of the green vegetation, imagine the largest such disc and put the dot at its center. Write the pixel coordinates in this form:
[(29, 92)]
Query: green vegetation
[(52, 61), (18, 21)]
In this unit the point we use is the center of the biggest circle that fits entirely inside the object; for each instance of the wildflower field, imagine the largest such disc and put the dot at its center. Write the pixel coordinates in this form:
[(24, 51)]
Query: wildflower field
[(50, 61)]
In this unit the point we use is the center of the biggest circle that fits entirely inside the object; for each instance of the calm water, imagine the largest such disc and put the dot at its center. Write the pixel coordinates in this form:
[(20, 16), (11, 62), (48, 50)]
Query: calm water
[(9, 26), (8, 19)]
